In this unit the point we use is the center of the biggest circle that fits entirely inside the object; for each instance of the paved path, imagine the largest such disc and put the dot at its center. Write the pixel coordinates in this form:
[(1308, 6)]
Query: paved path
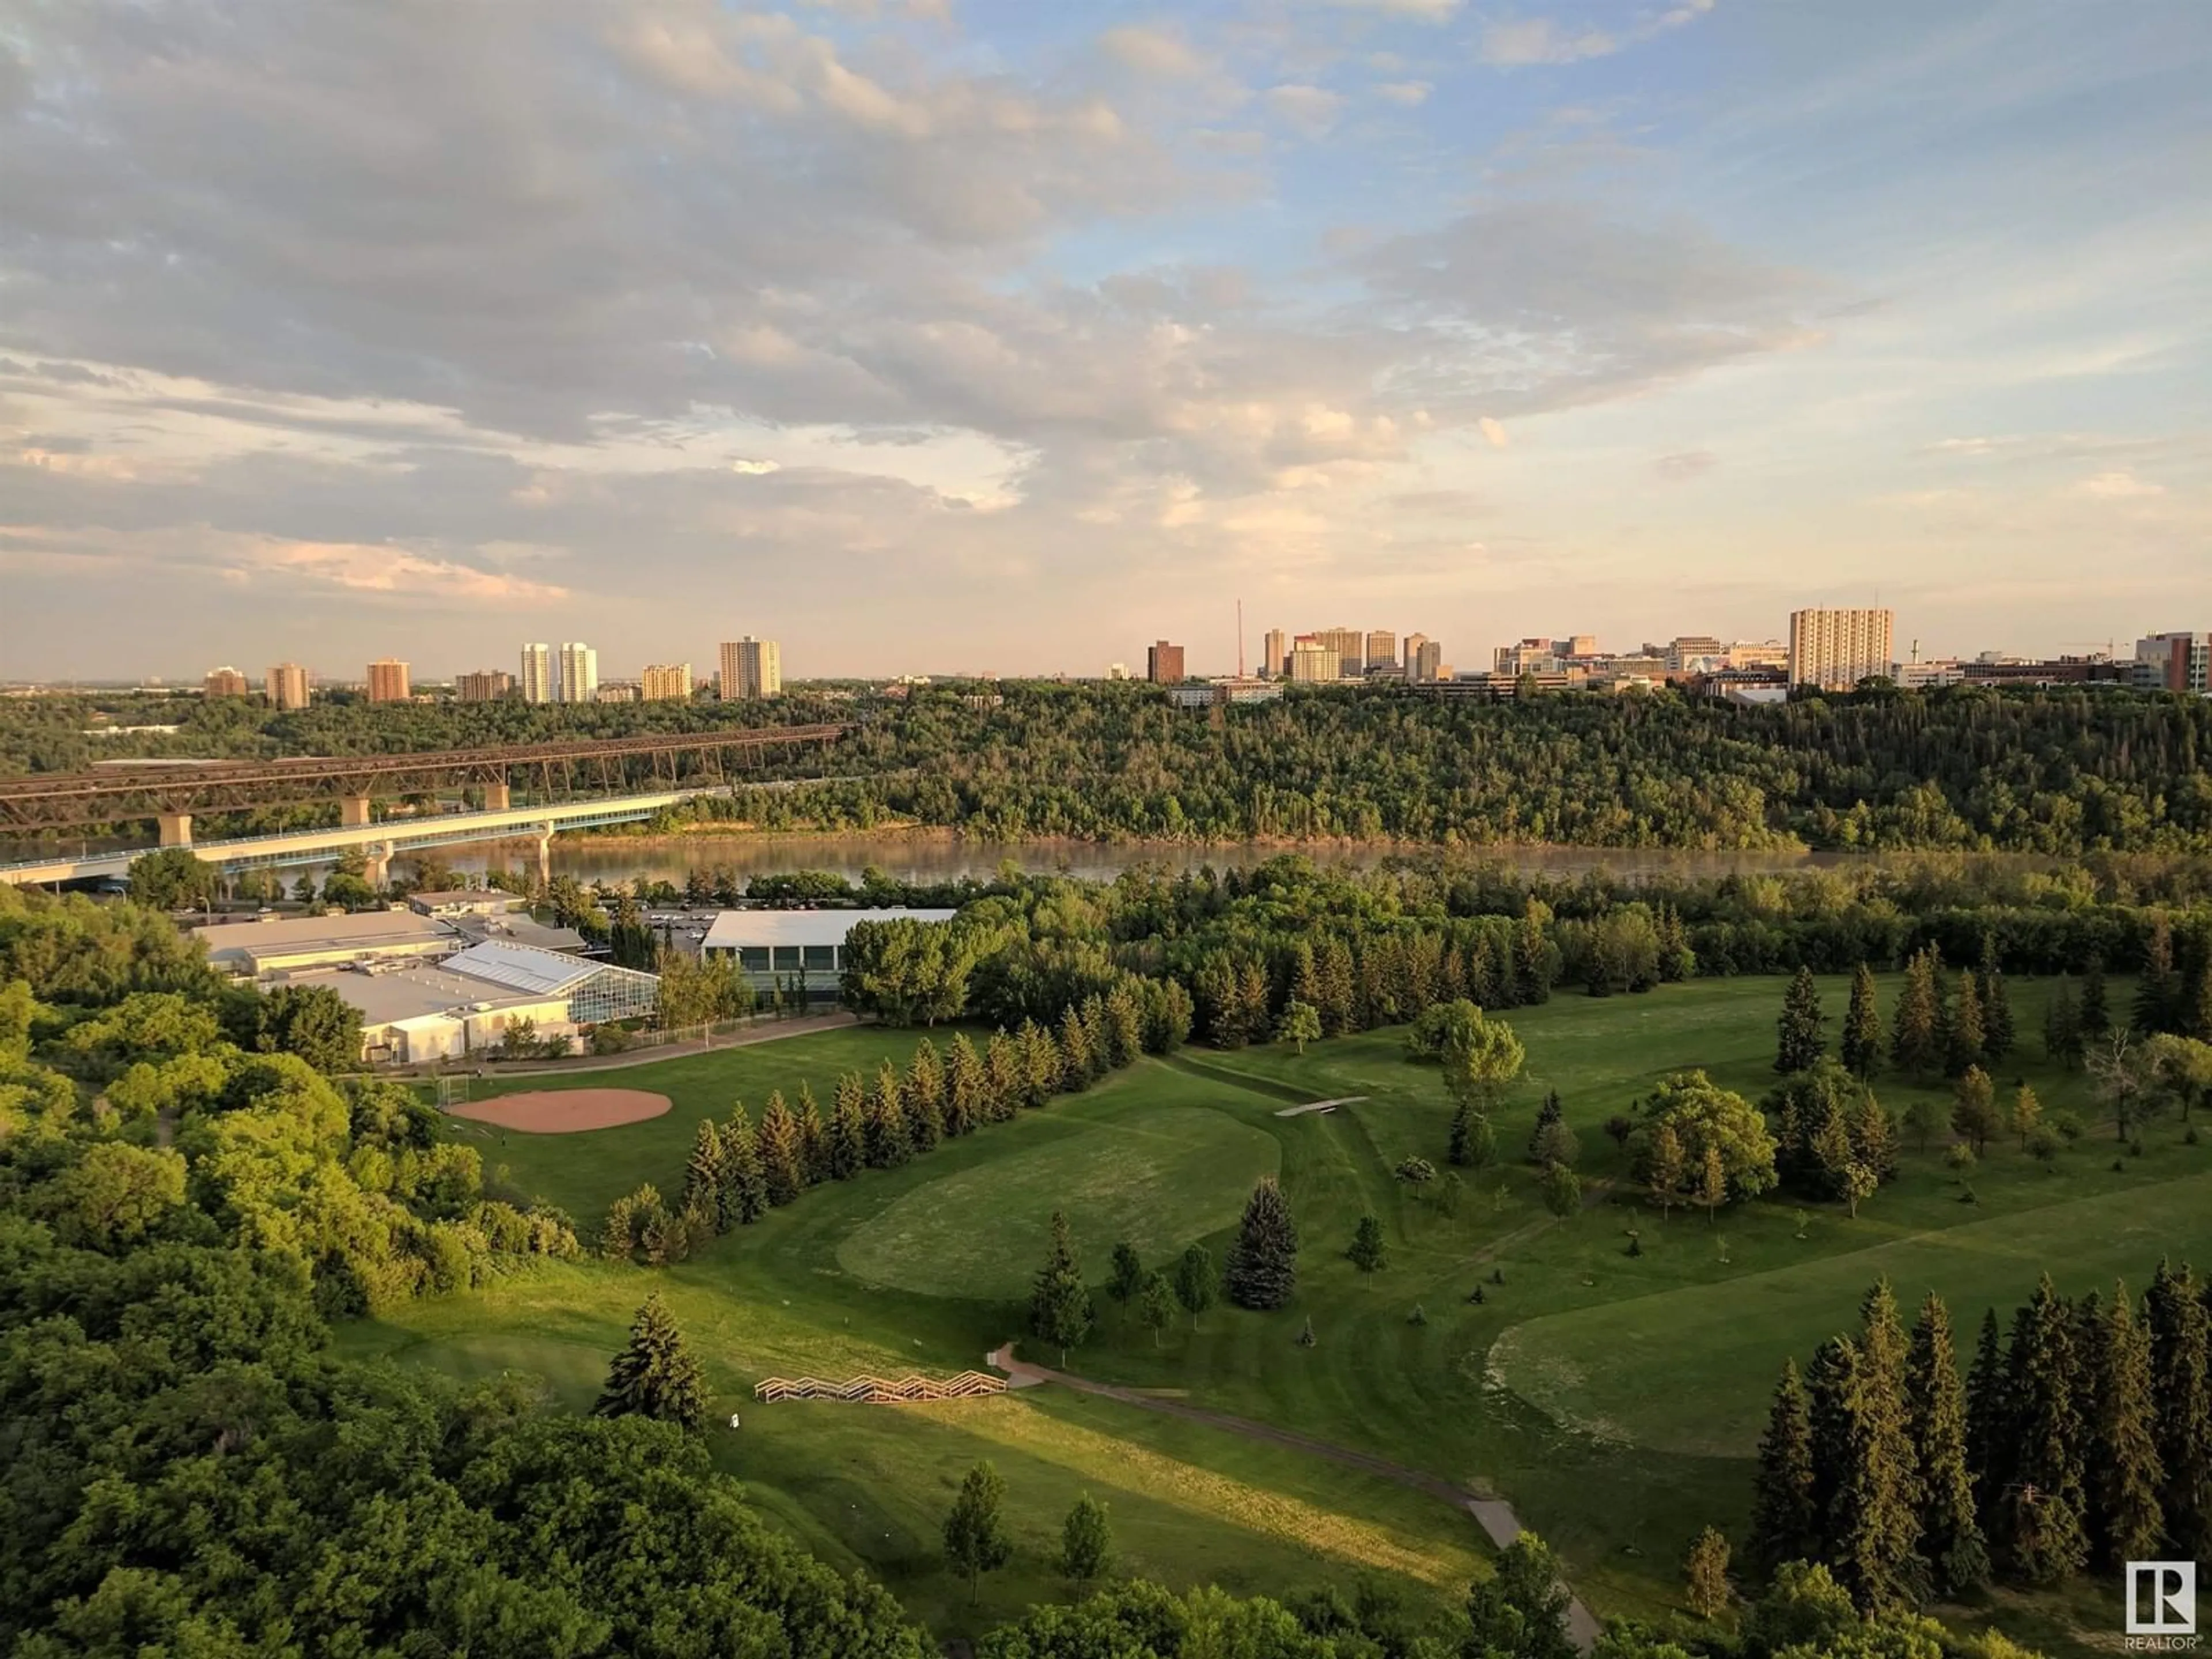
[(1494, 1515), (1320, 1106)]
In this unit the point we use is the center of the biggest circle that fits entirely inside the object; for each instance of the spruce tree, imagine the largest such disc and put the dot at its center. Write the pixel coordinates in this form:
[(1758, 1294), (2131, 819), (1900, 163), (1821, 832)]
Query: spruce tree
[(2126, 1472), (1125, 1027), (1061, 1309), (1873, 1138), (2062, 1044), (1915, 1042), (1041, 1071), (2197, 1006), (1784, 1524), (925, 1097), (744, 1185), (1874, 1524), (1483, 978), (1473, 1143), (1952, 1536), (1368, 1252), (1549, 1115), (1969, 1042), (1075, 1072), (2096, 1017), (1263, 1263), (848, 1131), (2176, 1318), (782, 1155), (1861, 1042), (655, 1375), (1532, 959), (1799, 1039), (886, 1138), (1989, 1416), (1997, 1034), (2157, 989), (1830, 1393), (1974, 1110), (813, 1137), (1333, 961), (2038, 1520), (1004, 1077), (964, 1088), (703, 1176)]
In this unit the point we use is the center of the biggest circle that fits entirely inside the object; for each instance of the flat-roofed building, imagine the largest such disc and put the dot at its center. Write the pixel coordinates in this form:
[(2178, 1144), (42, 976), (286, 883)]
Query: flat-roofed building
[(388, 681), (1163, 663), (1350, 647), (664, 682), (752, 670), (1274, 651), (1835, 650), (2174, 662), (1382, 648), (1316, 663), (288, 686), (484, 686), (536, 677), (577, 678), (466, 902), (277, 943), (225, 683), (769, 944)]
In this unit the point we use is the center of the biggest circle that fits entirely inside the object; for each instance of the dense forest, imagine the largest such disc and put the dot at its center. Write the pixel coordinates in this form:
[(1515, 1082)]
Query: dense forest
[(2053, 771)]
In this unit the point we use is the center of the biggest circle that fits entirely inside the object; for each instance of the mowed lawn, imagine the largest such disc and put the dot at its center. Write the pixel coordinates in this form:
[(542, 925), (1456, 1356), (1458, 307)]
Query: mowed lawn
[(1610, 1397)]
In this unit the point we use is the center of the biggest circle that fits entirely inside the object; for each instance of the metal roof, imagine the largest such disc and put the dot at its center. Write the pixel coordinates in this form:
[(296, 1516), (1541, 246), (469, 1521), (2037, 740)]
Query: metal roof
[(736, 929), (520, 967)]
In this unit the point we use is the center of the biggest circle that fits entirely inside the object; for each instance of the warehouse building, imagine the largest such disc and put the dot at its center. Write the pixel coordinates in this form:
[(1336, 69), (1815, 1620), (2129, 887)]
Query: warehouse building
[(285, 944), (769, 944)]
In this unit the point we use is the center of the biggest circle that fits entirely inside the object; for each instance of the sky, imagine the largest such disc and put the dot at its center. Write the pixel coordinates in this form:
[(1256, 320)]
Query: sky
[(944, 336)]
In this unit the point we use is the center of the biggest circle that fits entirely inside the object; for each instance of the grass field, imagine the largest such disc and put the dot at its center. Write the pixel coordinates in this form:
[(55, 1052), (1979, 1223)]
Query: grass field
[(1611, 1398)]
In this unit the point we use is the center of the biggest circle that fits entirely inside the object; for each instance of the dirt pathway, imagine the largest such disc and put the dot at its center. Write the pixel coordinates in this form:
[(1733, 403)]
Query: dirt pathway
[(1494, 1515), (770, 1031)]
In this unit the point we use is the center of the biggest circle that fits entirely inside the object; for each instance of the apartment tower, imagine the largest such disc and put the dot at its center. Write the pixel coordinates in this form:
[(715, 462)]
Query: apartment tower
[(751, 669), (664, 682), (1274, 651), (484, 686), (578, 677), (1382, 648), (537, 681), (387, 681), (225, 683), (288, 686), (1837, 649), (1163, 663)]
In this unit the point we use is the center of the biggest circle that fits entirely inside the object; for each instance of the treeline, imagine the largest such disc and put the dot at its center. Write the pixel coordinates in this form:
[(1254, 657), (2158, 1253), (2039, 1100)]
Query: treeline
[(739, 1170), (2081, 1440)]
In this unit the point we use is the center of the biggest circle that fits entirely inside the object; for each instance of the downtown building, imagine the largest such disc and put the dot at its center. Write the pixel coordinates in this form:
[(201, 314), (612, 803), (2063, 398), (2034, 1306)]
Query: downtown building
[(2175, 662), (665, 681), (484, 686), (1834, 650)]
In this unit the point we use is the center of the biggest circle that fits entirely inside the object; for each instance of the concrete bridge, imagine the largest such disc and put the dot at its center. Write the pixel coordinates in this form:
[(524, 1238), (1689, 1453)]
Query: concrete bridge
[(380, 842)]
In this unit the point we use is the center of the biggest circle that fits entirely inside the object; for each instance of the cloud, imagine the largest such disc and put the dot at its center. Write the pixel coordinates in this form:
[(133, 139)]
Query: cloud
[(2118, 486), (1153, 51), (394, 571), (1532, 40), (1686, 464), (1425, 11), (1408, 93), (754, 468), (1493, 432), (1312, 111)]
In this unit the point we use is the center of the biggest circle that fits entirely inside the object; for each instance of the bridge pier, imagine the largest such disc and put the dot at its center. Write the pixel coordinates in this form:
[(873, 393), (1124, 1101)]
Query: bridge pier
[(353, 811), (378, 858), (176, 828), (498, 798), (545, 855)]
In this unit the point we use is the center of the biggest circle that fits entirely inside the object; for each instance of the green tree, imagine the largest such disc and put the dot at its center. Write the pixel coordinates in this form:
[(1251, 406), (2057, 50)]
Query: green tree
[(1127, 1276), (1924, 1118), (2181, 1382), (1705, 1573), (1156, 1304), (1967, 1042), (311, 1021), (1195, 1281), (782, 1152), (1874, 1521), (1532, 958), (1916, 1041), (2039, 1515), (2062, 1043), (1520, 1609), (175, 879), (963, 1087), (848, 1127), (1473, 1143), (908, 972), (1800, 1041), (1974, 1109), (655, 1375), (1664, 1169), (744, 1196), (2158, 988), (1061, 1309), (1263, 1263), (976, 1541), (1705, 1116), (2126, 1520), (1785, 1524), (114, 1194), (1952, 1536), (1086, 1541), (1367, 1252), (1862, 1043), (886, 1137), (1998, 1035), (2096, 1015), (2027, 1114), (1561, 1189), (1989, 1416), (1299, 1025), (1480, 1056), (924, 1097), (704, 1177)]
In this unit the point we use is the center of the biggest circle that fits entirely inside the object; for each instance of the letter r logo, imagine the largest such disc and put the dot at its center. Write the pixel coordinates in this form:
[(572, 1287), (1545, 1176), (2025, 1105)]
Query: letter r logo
[(2162, 1598)]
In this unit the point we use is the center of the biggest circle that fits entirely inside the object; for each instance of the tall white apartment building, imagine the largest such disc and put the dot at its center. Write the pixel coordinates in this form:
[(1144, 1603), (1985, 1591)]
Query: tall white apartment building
[(578, 668), (537, 679), (1837, 649), (751, 669)]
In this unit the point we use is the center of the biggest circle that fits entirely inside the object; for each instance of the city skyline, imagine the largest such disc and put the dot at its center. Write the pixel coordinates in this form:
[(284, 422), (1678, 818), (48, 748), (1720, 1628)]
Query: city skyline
[(1048, 331)]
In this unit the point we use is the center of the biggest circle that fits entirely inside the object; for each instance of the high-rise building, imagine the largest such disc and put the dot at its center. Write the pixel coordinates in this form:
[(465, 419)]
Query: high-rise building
[(387, 681), (1425, 663), (1117, 670), (751, 669), (288, 686), (1314, 664), (225, 683), (1163, 663), (537, 679), (1577, 645), (1694, 653), (664, 682), (485, 685), (1274, 651), (1837, 649), (2175, 662), (1350, 646), (1382, 648), (576, 673)]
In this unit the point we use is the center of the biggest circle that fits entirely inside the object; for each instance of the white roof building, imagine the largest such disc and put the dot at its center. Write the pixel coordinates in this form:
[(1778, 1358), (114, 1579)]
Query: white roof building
[(797, 941)]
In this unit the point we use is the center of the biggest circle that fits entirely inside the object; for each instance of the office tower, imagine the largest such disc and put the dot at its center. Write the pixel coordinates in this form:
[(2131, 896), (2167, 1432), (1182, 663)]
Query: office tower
[(225, 683), (1837, 649), (664, 682), (576, 673), (751, 669), (1274, 651), (1163, 663), (1579, 645), (1316, 663), (484, 686), (2174, 662), (1424, 664), (1382, 648), (1350, 646), (1694, 653), (536, 680), (288, 686), (387, 681), (1413, 654)]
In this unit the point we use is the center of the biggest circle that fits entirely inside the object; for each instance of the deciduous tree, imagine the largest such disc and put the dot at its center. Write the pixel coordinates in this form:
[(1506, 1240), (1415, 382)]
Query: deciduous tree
[(975, 1540)]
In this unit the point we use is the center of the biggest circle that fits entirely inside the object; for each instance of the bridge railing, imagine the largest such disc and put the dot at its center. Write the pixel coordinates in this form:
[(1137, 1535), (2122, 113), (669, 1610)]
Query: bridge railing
[(881, 1391)]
